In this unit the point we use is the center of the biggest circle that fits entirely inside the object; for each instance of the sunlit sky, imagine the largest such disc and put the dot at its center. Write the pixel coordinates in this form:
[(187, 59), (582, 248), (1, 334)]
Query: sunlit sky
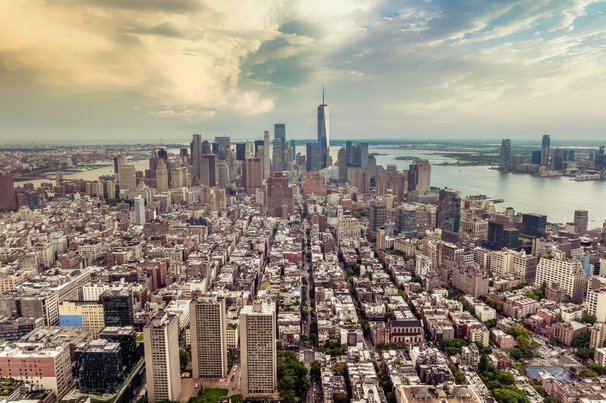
[(141, 70)]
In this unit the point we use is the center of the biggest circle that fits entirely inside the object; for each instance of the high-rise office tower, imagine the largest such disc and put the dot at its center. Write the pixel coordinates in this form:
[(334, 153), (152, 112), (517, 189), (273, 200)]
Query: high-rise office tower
[(501, 236), (139, 208), (127, 178), (419, 176), (293, 150), (342, 162), (323, 131), (377, 217), (313, 157), (118, 307), (8, 198), (505, 155), (208, 337), (258, 348), (178, 177), (535, 158), (279, 196), (280, 133), (222, 173), (240, 151), (196, 153), (224, 147), (162, 366), (545, 150), (208, 170), (581, 218), (449, 210), (119, 161), (161, 176), (252, 175), (534, 224), (363, 147), (266, 165), (259, 143), (558, 159), (206, 148), (277, 155), (349, 153)]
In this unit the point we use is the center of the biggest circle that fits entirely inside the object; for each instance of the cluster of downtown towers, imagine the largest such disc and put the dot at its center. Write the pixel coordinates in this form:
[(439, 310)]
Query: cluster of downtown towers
[(282, 151)]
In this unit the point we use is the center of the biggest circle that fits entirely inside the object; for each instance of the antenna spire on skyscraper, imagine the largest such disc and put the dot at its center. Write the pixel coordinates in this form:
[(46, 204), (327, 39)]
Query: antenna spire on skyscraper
[(323, 103)]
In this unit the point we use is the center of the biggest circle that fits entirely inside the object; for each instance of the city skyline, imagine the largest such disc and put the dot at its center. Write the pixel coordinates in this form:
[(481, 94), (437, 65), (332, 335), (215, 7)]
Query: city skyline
[(435, 70)]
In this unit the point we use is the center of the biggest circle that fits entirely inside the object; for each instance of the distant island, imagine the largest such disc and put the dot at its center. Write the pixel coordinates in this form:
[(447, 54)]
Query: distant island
[(377, 154), (405, 158)]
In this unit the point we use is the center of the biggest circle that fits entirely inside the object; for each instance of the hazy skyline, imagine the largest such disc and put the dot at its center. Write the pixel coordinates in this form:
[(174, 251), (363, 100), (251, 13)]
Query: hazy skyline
[(151, 69)]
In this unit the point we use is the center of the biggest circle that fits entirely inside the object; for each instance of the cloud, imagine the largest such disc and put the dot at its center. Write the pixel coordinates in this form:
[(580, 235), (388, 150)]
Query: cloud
[(387, 64)]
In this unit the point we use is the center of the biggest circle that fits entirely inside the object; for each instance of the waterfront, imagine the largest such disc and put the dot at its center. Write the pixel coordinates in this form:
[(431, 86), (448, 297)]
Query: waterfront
[(556, 197)]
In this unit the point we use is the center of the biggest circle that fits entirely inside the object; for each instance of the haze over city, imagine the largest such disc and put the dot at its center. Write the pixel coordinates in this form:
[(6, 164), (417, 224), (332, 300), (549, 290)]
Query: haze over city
[(291, 201), (79, 70)]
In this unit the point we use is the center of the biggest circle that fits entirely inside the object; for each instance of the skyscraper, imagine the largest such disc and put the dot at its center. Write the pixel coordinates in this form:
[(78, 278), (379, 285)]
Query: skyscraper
[(252, 175), (581, 218), (449, 210), (161, 176), (500, 236), (505, 155), (208, 337), (224, 147), (208, 170), (139, 207), (419, 176), (377, 216), (162, 367), (127, 178), (277, 155), (279, 196), (313, 157), (363, 147), (323, 131), (240, 151), (119, 161), (545, 150), (258, 348), (280, 133), (196, 153), (293, 150), (118, 307), (534, 224), (8, 199), (266, 167), (342, 162)]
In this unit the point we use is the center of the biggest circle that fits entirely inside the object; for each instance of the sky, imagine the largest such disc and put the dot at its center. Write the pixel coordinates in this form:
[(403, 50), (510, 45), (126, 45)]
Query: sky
[(145, 70)]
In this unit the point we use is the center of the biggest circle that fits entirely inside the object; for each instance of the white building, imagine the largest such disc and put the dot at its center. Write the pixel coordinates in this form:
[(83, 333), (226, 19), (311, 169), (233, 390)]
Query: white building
[(567, 273), (596, 298), (139, 210), (258, 348), (162, 366)]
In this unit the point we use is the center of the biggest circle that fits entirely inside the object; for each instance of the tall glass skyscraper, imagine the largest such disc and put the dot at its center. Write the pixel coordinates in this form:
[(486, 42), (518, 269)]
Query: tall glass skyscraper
[(323, 130)]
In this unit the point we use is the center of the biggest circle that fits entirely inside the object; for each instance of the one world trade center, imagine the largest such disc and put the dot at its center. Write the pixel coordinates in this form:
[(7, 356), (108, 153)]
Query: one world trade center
[(323, 130)]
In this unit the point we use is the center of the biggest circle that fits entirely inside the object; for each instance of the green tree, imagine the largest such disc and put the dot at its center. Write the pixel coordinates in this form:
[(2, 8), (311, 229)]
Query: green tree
[(588, 318), (184, 359), (584, 353), (339, 397), (315, 370), (340, 368), (491, 323), (237, 398)]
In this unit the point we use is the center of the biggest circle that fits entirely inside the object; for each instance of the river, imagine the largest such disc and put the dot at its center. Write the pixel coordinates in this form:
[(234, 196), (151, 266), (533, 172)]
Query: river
[(556, 197)]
